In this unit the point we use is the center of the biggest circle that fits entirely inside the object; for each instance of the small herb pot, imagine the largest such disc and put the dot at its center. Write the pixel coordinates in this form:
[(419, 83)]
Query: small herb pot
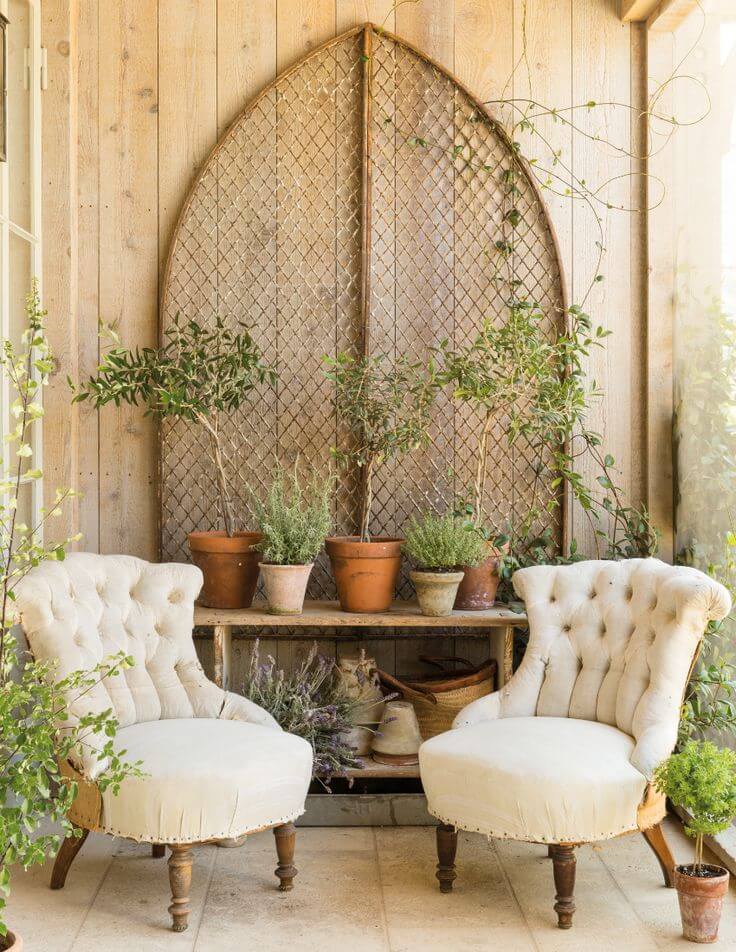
[(365, 572), (701, 900), (436, 591), (286, 586), (12, 942)]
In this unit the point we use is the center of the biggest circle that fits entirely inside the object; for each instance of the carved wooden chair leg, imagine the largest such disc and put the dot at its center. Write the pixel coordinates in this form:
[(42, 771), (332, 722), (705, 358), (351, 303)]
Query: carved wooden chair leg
[(180, 878), (446, 852), (285, 843), (66, 856), (563, 861), (158, 850), (655, 838)]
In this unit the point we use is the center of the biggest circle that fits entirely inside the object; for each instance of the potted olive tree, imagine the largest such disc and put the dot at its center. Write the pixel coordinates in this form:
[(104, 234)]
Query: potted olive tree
[(33, 703), (199, 374), (437, 545), (701, 779), (385, 406), (294, 521)]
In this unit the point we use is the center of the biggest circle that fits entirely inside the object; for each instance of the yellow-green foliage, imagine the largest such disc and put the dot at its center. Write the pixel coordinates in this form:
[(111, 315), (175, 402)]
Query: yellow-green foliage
[(443, 542), (295, 518)]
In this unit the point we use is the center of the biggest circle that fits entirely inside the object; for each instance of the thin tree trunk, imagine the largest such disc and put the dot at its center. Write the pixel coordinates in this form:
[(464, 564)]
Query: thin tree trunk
[(481, 470), (223, 490), (366, 501)]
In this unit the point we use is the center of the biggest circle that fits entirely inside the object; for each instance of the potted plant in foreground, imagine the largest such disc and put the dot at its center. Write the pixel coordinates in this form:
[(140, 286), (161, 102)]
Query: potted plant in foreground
[(294, 521), (437, 545), (198, 374), (386, 410), (34, 702), (701, 779)]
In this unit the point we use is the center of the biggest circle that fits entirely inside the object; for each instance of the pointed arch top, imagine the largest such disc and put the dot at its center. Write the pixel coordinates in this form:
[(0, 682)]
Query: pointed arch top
[(355, 204)]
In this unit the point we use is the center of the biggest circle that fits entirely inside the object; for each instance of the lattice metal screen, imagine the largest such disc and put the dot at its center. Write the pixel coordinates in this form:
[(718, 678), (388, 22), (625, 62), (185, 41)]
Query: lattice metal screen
[(322, 224)]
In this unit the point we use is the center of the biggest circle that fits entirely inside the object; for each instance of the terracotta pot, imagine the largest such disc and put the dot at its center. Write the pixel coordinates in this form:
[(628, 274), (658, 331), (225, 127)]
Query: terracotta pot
[(12, 942), (365, 572), (286, 586), (398, 738), (701, 901), (229, 565), (477, 590), (436, 591)]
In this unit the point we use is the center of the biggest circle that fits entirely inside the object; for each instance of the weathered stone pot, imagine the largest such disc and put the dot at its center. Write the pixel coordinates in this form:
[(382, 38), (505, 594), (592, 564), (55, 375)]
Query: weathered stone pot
[(360, 738), (229, 565), (477, 590), (286, 586), (701, 901), (398, 738), (365, 572), (436, 591)]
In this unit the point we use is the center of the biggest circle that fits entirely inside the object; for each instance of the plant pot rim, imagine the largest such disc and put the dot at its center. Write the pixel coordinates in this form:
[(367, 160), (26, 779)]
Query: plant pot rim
[(722, 873), (217, 540), (352, 547), (15, 941), (444, 575), (286, 565)]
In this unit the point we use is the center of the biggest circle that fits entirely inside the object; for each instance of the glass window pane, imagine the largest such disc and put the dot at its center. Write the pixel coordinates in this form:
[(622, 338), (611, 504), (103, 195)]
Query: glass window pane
[(19, 115)]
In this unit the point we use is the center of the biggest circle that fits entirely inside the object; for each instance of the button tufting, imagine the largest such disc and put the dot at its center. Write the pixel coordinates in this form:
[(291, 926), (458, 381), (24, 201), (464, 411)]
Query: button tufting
[(567, 627), (175, 596), (629, 593)]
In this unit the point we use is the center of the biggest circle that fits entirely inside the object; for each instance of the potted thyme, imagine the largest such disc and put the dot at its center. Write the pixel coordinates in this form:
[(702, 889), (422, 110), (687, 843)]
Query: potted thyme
[(199, 374), (701, 779), (294, 521), (437, 545), (386, 409), (34, 703)]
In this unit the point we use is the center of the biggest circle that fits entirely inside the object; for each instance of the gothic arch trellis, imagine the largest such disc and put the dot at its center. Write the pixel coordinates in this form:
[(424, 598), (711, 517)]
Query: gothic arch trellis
[(319, 223)]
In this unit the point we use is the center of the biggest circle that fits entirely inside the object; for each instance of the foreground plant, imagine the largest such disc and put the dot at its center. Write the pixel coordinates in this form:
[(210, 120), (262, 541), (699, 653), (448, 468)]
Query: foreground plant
[(311, 703), (443, 543), (198, 374), (33, 704), (386, 407)]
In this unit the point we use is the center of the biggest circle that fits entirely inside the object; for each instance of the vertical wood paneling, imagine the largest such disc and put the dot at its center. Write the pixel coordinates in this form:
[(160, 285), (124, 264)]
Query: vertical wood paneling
[(60, 234), (246, 54), (88, 313), (484, 54), (350, 13), (128, 66), (302, 25)]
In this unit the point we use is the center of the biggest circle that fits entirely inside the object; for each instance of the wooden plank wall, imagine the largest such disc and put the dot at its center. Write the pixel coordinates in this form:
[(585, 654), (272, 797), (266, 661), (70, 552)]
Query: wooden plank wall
[(139, 92)]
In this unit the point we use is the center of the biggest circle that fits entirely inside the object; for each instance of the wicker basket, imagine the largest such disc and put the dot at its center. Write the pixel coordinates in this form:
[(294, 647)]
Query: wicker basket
[(438, 698)]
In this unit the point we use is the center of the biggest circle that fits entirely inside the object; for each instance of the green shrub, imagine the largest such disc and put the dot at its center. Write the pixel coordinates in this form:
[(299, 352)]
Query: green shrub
[(701, 779), (443, 542), (294, 519)]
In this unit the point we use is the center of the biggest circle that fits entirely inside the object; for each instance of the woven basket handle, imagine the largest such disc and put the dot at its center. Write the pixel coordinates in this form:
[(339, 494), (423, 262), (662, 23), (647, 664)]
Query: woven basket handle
[(439, 662), (417, 691)]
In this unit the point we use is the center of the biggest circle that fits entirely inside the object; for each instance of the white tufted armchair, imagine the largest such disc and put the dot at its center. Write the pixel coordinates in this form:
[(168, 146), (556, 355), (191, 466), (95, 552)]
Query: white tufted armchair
[(565, 752), (217, 766)]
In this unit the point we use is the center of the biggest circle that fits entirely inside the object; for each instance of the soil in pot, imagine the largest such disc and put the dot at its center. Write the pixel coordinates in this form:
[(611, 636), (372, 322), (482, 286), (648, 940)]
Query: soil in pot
[(477, 590), (436, 591), (229, 565), (365, 572), (701, 900), (286, 586)]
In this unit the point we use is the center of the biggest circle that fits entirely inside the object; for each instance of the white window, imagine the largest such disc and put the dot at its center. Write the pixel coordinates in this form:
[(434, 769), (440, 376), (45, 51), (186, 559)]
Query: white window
[(20, 203)]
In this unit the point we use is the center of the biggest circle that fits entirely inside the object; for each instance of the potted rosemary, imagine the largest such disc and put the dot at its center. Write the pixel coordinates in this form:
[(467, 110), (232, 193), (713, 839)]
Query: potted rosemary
[(386, 410), (294, 521), (701, 779), (198, 374), (437, 545)]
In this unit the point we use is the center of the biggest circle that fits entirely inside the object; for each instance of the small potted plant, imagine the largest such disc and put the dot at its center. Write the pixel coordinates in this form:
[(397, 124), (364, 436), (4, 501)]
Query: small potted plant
[(701, 779), (386, 410), (199, 374), (438, 545), (294, 521)]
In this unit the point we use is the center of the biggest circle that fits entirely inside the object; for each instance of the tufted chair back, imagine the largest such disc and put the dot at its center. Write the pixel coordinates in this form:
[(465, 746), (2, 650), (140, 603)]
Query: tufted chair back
[(613, 642), (82, 610)]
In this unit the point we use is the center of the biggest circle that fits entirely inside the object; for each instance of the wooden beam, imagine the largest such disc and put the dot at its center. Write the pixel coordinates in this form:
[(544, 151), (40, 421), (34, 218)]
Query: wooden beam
[(637, 9), (662, 15)]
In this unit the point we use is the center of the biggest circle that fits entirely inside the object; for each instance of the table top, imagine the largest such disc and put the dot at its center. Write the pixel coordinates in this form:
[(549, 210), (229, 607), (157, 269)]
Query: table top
[(330, 615)]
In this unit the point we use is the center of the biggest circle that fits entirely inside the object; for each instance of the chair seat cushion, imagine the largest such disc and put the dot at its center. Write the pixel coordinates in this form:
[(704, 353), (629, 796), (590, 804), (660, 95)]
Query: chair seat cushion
[(539, 779), (207, 779)]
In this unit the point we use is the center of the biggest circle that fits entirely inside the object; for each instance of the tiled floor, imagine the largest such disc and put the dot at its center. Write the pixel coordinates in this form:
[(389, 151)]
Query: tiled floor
[(358, 889)]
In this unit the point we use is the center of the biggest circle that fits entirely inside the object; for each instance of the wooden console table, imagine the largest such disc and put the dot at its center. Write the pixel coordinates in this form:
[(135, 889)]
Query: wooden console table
[(496, 623)]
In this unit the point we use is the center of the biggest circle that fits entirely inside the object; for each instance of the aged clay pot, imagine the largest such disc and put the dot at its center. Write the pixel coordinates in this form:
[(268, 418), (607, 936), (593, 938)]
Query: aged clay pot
[(229, 565), (365, 572), (701, 901), (12, 942), (398, 739), (436, 591), (286, 586), (360, 738), (477, 590)]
